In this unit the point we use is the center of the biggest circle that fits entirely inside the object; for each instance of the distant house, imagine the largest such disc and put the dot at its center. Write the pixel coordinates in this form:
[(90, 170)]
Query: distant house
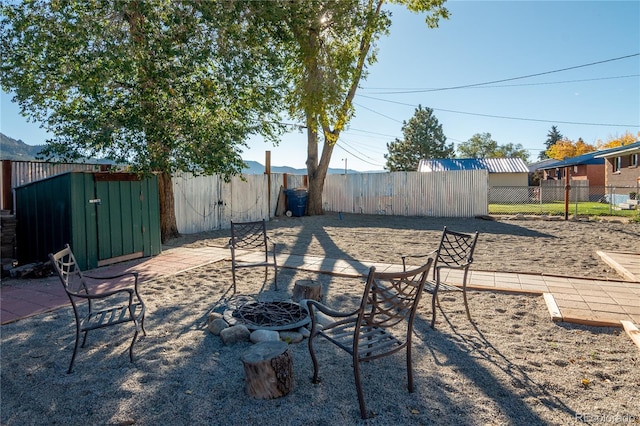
[(536, 170), (622, 165), (502, 171), (586, 167)]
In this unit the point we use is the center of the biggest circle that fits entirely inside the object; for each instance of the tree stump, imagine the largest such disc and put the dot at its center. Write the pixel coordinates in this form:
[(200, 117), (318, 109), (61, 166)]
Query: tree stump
[(307, 289), (268, 369)]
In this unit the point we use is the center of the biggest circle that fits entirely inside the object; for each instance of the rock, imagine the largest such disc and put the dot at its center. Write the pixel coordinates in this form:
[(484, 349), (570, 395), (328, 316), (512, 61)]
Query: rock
[(304, 331), (235, 334), (324, 319), (214, 315), (217, 325), (291, 336), (259, 336)]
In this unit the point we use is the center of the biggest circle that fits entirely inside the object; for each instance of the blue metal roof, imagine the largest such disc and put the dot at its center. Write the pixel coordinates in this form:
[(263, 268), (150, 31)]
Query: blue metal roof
[(595, 157), (620, 150), (584, 159), (492, 165)]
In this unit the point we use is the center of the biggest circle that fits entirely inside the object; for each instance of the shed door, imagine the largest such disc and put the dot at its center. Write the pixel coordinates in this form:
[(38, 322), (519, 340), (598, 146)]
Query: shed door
[(120, 220)]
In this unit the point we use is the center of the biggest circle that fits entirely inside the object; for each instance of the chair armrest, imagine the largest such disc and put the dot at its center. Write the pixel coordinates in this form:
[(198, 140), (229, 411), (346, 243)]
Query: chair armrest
[(112, 277), (416, 256), (310, 304), (104, 295)]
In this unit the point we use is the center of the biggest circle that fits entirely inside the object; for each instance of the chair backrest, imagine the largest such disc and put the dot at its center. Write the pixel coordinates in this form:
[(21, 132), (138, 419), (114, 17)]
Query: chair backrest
[(455, 249), (248, 235), (64, 262), (390, 299)]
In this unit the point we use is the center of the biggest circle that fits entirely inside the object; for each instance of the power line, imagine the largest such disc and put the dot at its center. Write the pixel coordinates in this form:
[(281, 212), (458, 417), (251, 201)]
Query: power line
[(406, 91), (354, 155), (376, 112), (506, 117), (530, 75)]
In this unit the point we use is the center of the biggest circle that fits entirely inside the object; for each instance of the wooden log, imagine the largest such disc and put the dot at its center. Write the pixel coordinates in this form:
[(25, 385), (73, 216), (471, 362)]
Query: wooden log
[(307, 289), (268, 368)]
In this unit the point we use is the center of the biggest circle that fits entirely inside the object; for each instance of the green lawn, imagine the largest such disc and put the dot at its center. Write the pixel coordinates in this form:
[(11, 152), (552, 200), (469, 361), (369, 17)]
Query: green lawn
[(581, 208)]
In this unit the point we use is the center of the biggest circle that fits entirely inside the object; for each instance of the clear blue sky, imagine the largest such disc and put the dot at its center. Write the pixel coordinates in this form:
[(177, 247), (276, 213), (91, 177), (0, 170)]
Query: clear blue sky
[(482, 42)]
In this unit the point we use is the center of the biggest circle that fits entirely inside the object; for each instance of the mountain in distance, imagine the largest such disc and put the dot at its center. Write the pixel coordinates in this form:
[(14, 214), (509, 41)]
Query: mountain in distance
[(17, 150), (255, 168), (11, 149)]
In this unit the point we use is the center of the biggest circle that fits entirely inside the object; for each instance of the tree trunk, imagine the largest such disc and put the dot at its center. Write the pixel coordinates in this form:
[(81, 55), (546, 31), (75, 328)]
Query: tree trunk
[(168, 224), (268, 368)]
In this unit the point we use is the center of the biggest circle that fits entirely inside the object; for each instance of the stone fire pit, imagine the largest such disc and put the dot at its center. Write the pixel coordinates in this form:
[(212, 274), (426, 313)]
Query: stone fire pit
[(275, 315)]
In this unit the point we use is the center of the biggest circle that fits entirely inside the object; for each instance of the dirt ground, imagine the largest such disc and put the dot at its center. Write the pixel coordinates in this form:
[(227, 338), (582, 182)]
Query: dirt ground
[(511, 366)]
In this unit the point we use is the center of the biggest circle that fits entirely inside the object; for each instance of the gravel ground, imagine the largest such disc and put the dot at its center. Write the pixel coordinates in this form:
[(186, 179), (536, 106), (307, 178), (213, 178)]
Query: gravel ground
[(512, 366)]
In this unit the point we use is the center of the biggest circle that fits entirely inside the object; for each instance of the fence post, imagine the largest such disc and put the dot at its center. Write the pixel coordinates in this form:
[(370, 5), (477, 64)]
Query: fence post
[(7, 196), (566, 192)]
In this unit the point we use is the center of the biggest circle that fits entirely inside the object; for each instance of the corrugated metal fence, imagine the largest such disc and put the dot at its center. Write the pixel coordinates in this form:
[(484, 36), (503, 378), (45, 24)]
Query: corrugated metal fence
[(444, 194), (18, 173), (206, 203)]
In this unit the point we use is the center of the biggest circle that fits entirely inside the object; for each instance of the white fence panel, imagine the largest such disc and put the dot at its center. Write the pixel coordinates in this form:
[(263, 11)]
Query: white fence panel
[(196, 202), (206, 203)]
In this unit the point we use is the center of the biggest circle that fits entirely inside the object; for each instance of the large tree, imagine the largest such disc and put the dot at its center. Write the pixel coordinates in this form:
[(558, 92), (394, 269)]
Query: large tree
[(481, 145), (328, 45), (423, 139), (161, 85), (553, 136)]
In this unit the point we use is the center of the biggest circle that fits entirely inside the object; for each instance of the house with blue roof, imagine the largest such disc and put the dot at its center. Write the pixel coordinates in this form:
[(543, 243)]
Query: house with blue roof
[(586, 167)]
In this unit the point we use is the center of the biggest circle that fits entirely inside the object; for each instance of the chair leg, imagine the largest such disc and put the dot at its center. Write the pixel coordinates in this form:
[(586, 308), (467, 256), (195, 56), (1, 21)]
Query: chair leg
[(75, 349), (314, 360), (233, 273), (466, 304), (433, 308), (356, 373), (409, 369), (135, 336), (275, 278), (275, 269)]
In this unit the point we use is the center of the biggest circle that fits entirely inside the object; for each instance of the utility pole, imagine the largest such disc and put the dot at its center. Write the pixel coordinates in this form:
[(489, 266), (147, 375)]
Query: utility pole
[(345, 165)]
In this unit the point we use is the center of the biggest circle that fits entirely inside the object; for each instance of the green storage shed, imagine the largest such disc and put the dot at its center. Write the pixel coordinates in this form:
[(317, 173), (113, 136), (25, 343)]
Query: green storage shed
[(105, 217)]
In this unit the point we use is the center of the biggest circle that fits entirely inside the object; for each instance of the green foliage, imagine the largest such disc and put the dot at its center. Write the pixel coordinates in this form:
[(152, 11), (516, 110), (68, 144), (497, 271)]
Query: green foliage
[(423, 139), (161, 85), (481, 145), (553, 136)]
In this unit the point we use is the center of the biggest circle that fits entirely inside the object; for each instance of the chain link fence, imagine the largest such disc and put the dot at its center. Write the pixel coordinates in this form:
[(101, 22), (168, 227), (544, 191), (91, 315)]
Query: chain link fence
[(549, 199)]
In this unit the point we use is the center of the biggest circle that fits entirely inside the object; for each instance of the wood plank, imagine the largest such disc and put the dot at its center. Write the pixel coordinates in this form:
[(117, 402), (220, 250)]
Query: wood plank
[(552, 306), (632, 331), (122, 258)]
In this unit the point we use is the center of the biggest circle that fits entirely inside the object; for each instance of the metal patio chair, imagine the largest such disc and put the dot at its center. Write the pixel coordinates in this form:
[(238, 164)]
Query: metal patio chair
[(93, 310), (252, 236), (455, 251), (382, 325)]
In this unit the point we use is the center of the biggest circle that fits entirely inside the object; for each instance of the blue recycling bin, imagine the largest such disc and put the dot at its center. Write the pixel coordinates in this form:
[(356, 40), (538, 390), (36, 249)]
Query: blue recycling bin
[(297, 201)]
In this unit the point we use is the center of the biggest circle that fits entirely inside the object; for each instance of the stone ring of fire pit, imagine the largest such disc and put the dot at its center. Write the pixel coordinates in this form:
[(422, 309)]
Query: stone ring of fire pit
[(276, 316)]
